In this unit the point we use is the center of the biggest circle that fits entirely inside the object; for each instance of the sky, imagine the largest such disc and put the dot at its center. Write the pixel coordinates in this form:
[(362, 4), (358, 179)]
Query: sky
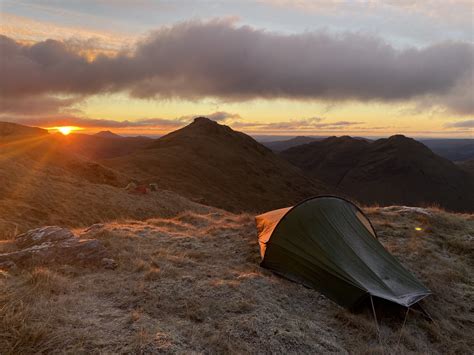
[(270, 67)]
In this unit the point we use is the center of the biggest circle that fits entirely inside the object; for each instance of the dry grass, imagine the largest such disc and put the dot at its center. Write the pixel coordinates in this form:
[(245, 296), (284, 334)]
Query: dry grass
[(48, 187), (192, 283)]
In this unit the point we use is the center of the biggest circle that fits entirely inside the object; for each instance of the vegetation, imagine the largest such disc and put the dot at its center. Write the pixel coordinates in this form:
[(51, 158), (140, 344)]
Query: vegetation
[(192, 283)]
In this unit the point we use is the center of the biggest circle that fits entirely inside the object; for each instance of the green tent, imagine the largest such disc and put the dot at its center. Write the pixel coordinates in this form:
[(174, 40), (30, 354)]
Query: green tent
[(328, 244)]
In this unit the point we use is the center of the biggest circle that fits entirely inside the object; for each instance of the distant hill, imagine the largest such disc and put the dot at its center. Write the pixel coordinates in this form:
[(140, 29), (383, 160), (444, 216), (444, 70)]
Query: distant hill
[(452, 149), (278, 146), (44, 184), (395, 170), (107, 134), (281, 145), (13, 130), (102, 146), (218, 166)]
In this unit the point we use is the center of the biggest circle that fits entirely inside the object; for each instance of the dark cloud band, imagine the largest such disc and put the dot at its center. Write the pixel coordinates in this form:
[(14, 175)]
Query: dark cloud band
[(216, 59)]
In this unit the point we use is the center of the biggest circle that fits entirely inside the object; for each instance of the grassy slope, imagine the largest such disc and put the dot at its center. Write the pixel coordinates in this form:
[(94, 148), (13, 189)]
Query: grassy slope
[(43, 185), (192, 282)]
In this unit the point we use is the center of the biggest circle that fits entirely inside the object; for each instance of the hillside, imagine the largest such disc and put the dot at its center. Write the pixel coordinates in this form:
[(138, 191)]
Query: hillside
[(42, 184), (10, 130), (467, 165), (279, 146), (192, 283), (397, 170), (102, 146), (218, 166)]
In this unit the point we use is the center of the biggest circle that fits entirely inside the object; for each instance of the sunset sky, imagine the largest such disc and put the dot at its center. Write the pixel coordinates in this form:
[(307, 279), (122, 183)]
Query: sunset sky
[(276, 67)]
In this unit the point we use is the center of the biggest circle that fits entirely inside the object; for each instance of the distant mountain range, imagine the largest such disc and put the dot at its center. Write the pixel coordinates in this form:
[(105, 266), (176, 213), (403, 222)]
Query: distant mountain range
[(395, 170), (107, 134), (279, 146), (452, 149), (217, 166)]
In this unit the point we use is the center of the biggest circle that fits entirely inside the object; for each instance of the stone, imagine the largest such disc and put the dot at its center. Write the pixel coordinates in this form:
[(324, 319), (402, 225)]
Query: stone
[(108, 263), (53, 244), (41, 235)]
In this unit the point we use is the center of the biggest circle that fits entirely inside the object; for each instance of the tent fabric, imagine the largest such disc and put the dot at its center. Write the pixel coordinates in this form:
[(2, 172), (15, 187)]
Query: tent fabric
[(328, 244)]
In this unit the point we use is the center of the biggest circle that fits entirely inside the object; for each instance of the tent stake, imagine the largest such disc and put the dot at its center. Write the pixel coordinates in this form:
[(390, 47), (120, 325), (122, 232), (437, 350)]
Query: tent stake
[(376, 323)]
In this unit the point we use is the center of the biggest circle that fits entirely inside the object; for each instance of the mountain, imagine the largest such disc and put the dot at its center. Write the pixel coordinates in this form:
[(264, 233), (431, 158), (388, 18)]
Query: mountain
[(218, 166), (452, 149), (14, 130), (44, 184), (395, 170), (467, 165), (328, 159), (278, 146), (102, 146), (107, 134)]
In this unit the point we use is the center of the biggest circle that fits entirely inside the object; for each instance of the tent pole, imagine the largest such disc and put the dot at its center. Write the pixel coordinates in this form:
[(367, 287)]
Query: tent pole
[(423, 311), (376, 323), (403, 325)]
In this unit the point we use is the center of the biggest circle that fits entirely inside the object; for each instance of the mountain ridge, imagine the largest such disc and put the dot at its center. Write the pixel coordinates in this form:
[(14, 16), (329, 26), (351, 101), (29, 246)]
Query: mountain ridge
[(219, 166), (394, 170)]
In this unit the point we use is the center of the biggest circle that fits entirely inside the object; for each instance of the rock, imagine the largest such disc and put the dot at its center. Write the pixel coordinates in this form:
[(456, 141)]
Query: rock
[(7, 265), (41, 235), (109, 263), (54, 244), (407, 210)]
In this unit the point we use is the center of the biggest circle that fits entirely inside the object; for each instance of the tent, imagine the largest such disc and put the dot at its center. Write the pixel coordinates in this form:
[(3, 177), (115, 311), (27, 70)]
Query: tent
[(327, 243)]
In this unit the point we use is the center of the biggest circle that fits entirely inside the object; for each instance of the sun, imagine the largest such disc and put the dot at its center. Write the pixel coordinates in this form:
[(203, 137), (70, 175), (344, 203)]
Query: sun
[(65, 130)]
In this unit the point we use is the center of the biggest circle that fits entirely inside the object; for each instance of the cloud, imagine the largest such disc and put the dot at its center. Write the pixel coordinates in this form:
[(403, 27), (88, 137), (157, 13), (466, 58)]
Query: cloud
[(460, 124), (313, 123), (32, 105), (84, 122), (102, 123), (223, 116), (218, 116), (194, 60), (82, 40), (454, 11)]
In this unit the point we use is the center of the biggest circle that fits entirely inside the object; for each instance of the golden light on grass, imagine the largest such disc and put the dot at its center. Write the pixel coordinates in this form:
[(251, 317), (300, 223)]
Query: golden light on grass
[(418, 229)]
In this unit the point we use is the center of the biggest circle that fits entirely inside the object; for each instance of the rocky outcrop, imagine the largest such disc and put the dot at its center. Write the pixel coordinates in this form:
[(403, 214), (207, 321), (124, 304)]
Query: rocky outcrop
[(56, 245)]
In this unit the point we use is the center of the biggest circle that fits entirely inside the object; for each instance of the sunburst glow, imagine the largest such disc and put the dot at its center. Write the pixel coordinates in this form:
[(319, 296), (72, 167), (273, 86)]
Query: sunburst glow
[(65, 130)]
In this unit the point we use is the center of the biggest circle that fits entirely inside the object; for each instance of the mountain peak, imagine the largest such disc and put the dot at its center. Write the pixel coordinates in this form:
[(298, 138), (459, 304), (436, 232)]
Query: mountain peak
[(208, 161), (203, 120), (107, 134)]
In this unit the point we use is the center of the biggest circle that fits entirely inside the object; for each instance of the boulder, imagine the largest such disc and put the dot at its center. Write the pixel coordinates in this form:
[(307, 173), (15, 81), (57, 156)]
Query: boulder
[(42, 235), (55, 245)]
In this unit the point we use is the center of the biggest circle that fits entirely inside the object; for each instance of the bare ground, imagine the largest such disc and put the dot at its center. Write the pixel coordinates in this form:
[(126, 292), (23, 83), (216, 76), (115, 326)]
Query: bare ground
[(192, 283)]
